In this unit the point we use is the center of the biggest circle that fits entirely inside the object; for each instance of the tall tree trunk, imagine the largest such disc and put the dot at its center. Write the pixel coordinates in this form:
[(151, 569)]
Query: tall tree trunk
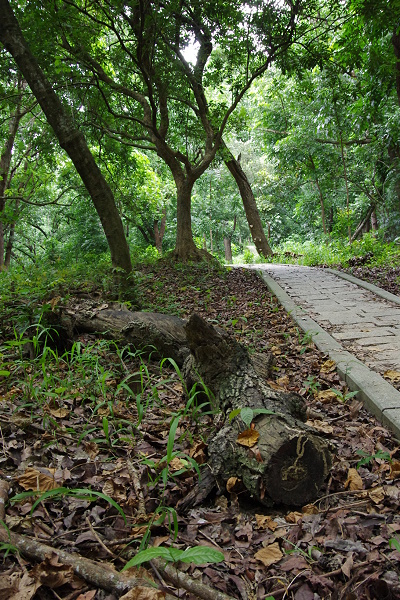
[(249, 202), (159, 230), (69, 137), (5, 162), (185, 248), (228, 249), (396, 47)]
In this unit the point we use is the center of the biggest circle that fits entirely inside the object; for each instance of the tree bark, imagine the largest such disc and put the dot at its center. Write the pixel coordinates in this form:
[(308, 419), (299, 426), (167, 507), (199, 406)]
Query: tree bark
[(155, 334), (159, 231), (69, 137), (185, 248), (5, 162), (249, 202), (289, 461), (228, 249)]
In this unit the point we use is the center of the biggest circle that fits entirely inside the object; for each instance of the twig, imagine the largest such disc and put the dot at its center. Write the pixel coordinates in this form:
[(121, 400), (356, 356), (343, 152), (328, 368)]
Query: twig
[(4, 489), (100, 541), (141, 511)]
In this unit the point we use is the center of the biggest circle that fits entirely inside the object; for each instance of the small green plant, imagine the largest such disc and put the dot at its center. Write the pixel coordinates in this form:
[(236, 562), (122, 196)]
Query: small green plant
[(311, 385), (198, 555), (83, 494), (394, 543), (344, 396), (368, 458), (247, 414)]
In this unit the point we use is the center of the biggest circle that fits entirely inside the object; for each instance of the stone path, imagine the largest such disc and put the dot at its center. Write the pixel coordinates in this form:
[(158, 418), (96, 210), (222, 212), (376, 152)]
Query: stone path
[(355, 323), (363, 322)]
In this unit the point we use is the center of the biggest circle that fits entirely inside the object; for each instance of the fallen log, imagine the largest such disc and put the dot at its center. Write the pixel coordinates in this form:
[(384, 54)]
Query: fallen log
[(286, 461), (157, 334), (289, 461)]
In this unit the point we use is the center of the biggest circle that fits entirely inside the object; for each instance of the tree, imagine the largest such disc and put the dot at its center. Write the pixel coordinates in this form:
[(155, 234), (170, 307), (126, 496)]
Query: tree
[(69, 137), (149, 94)]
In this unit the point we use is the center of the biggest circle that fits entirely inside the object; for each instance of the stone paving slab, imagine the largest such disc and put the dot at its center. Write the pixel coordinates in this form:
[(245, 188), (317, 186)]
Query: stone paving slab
[(367, 323)]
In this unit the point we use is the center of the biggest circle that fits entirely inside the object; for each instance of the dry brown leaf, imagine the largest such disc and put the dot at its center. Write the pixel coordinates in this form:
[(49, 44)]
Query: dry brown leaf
[(197, 452), (33, 479), (321, 426), (176, 464), (269, 555), (232, 483), (326, 396), (395, 469), (15, 587), (293, 517), (377, 495), (143, 593), (310, 509), (54, 302), (347, 565), (114, 490), (88, 595), (353, 481), (392, 375), (52, 573), (283, 381), (265, 521), (248, 438), (58, 413), (328, 366), (91, 448)]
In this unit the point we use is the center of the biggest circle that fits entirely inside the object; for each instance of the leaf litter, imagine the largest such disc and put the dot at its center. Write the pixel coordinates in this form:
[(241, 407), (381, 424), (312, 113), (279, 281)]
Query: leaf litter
[(93, 471)]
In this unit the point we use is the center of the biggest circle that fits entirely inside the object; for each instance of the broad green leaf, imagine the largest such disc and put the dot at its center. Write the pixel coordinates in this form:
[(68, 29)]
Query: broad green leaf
[(201, 554)]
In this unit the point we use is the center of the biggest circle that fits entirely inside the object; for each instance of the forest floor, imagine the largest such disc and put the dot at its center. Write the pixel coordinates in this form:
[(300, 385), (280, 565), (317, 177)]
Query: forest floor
[(69, 426)]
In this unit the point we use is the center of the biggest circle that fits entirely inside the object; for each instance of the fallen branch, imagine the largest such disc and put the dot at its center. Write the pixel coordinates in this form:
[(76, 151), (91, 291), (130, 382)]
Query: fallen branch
[(100, 575)]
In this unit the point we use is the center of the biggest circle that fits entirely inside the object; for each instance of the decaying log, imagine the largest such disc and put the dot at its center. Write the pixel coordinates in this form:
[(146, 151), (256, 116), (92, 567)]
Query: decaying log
[(157, 334), (290, 461)]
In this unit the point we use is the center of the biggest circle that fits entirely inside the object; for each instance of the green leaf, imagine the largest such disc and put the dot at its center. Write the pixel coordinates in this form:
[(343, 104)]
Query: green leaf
[(247, 414), (234, 413), (263, 411), (4, 373), (201, 555), (171, 438), (146, 555)]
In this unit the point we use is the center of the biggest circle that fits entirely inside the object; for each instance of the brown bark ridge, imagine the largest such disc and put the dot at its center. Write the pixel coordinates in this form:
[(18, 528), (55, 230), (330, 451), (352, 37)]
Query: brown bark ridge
[(290, 460), (156, 334), (69, 137), (249, 202)]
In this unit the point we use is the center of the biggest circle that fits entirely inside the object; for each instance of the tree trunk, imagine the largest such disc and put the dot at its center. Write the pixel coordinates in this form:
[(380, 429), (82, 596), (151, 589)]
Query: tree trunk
[(289, 461), (396, 47), (228, 249), (69, 137), (185, 248), (5, 162), (249, 203), (159, 230)]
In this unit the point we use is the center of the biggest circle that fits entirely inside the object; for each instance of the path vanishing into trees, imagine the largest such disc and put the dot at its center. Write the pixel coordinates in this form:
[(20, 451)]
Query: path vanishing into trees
[(355, 322)]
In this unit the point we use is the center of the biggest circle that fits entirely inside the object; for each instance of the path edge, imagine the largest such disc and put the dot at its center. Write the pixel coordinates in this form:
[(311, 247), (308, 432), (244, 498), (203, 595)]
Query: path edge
[(366, 285), (378, 396)]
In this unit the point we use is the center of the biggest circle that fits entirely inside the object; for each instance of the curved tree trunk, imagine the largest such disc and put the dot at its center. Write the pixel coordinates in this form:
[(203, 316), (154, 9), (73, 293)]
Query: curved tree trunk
[(69, 137), (249, 203)]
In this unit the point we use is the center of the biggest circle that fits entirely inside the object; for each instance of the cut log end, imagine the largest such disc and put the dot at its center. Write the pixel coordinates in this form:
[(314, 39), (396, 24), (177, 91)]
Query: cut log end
[(288, 465)]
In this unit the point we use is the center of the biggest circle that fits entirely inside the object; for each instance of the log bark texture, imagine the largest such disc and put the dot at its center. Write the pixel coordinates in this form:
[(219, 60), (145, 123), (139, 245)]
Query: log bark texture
[(157, 334), (290, 461)]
